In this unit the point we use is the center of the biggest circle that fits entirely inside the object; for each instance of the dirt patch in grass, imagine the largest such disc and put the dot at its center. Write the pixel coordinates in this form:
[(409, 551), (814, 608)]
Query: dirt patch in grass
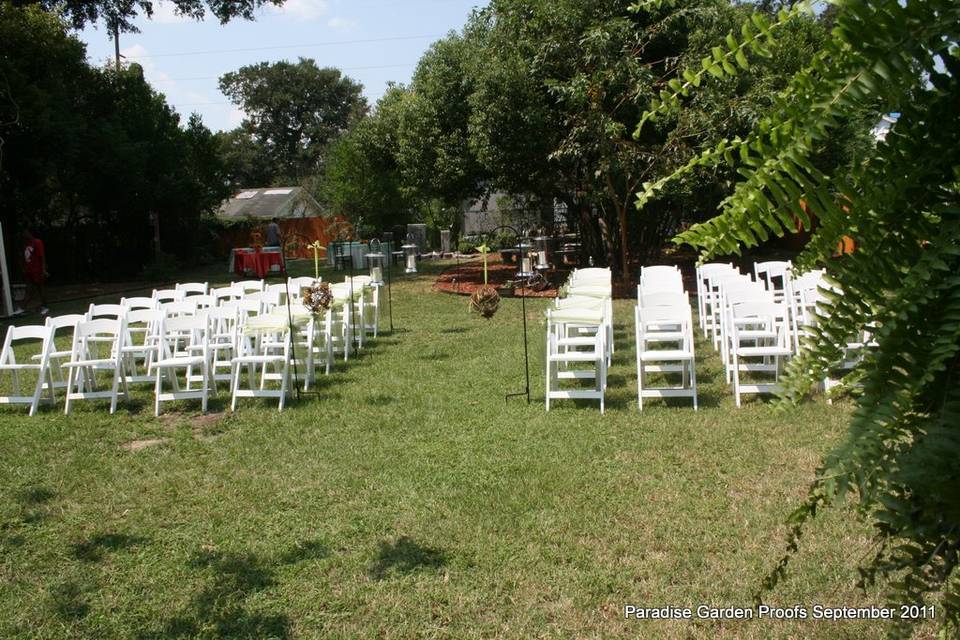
[(143, 443)]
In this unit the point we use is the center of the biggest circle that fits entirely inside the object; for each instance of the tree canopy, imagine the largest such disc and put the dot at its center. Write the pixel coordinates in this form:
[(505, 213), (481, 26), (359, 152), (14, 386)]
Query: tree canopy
[(93, 153), (293, 111)]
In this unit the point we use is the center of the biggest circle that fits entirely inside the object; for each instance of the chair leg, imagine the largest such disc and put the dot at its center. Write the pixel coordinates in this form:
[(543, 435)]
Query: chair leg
[(736, 377), (157, 388), (234, 386), (693, 381)]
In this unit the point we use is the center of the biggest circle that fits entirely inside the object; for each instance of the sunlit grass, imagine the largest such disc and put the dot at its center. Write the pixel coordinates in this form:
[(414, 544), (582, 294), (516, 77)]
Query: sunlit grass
[(406, 497)]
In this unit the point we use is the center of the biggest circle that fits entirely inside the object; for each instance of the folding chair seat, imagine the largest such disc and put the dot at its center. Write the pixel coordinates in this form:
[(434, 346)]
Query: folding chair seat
[(664, 337), (262, 344), (752, 319), (571, 355), (16, 337), (173, 357), (85, 362)]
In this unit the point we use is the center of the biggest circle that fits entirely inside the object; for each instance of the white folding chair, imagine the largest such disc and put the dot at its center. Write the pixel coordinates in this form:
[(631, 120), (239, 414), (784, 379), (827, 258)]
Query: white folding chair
[(268, 300), (223, 339), (112, 311), (576, 355), (141, 343), (749, 320), (15, 338), (173, 357), (703, 273), (85, 362), (262, 348), (664, 337)]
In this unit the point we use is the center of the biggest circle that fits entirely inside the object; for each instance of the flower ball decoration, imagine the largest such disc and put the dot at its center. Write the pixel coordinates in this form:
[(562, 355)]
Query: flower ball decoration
[(317, 297), (485, 301)]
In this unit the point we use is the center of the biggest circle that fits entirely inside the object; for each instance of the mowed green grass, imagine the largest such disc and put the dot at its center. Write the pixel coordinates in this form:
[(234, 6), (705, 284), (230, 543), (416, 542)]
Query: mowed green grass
[(407, 498)]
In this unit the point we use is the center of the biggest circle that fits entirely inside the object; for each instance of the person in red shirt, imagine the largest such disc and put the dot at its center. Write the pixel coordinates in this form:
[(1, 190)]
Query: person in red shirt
[(35, 269)]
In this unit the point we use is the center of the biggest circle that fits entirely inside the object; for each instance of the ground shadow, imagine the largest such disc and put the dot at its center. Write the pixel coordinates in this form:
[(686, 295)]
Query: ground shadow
[(92, 550), (69, 601), (454, 330), (378, 400), (405, 556), (220, 608)]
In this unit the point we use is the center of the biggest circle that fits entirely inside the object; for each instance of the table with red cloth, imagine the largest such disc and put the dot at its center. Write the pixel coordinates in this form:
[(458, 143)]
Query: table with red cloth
[(257, 261)]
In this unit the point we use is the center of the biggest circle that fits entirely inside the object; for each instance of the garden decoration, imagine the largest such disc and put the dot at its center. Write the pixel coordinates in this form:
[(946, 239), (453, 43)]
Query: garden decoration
[(410, 253), (317, 297), (485, 300), (375, 262), (256, 239), (317, 247)]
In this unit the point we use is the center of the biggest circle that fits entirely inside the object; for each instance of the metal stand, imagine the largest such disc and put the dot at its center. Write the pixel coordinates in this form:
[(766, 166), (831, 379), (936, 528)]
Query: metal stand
[(523, 311), (390, 278), (293, 341)]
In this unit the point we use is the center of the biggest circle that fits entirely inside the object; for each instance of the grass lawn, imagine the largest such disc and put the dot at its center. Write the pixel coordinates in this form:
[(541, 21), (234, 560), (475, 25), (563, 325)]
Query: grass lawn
[(406, 498)]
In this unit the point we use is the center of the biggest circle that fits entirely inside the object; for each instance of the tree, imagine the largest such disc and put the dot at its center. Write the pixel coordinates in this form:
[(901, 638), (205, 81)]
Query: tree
[(439, 168), (901, 204), (560, 85), (91, 154), (119, 15), (294, 110), (362, 178)]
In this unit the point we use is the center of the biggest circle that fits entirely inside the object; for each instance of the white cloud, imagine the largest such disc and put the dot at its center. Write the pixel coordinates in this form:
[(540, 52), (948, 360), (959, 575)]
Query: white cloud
[(164, 13), (303, 9), (235, 117), (341, 24)]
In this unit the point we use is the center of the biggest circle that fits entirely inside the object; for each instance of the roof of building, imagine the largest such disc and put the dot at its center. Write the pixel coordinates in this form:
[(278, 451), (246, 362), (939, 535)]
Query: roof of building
[(271, 202)]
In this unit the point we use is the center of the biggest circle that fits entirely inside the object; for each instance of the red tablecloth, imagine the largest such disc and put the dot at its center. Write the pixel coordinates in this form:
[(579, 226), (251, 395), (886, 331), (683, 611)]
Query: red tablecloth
[(258, 262)]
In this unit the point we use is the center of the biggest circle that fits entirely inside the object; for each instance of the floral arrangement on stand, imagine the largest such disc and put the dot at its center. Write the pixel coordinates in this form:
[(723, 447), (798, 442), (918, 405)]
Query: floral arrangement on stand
[(317, 297), (485, 300)]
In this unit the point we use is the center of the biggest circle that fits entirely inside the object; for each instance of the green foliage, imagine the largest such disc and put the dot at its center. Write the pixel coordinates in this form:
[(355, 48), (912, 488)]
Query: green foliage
[(88, 155), (120, 14), (294, 110), (901, 204), (362, 178)]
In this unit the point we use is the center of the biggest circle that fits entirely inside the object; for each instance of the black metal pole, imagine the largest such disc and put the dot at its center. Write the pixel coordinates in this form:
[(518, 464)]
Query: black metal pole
[(390, 280), (293, 342), (523, 311)]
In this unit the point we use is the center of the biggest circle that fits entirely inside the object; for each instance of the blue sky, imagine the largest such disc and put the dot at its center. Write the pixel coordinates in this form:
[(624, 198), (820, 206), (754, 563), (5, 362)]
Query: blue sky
[(373, 41)]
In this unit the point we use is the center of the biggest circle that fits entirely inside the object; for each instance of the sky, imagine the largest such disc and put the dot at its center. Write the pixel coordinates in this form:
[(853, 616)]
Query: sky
[(372, 41)]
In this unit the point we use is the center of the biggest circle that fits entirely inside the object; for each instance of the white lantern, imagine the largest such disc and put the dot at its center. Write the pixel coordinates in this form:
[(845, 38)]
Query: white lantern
[(542, 244), (526, 264), (410, 253), (375, 262)]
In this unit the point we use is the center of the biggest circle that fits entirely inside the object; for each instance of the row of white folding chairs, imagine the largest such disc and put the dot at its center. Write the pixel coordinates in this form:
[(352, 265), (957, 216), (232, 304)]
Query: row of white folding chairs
[(107, 344), (580, 336), (663, 321)]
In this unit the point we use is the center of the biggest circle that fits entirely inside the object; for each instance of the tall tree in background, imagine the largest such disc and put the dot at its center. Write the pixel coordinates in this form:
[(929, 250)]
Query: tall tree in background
[(901, 205), (294, 110), (92, 153), (362, 178)]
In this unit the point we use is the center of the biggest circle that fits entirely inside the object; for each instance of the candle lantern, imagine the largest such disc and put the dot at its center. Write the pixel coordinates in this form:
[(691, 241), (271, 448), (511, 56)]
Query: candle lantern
[(526, 264), (542, 244), (375, 262), (410, 255)]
